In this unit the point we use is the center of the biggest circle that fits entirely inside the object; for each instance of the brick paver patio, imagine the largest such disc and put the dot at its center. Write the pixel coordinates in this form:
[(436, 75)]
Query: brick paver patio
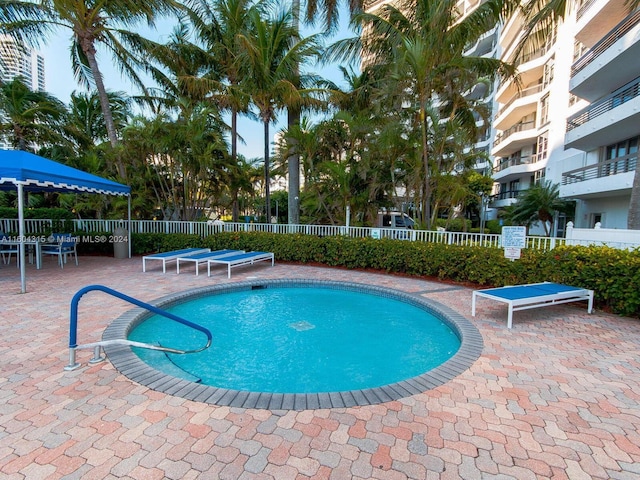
[(555, 397)]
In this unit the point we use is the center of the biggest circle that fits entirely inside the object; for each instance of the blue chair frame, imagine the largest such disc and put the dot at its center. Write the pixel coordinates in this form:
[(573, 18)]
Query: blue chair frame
[(63, 244), (8, 249)]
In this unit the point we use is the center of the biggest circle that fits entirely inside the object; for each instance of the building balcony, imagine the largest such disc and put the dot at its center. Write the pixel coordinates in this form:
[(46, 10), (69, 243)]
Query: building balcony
[(519, 105), (485, 46), (512, 168), (594, 18), (530, 71), (583, 7), (464, 7), (604, 179), (513, 139), (504, 199), (610, 120), (611, 62)]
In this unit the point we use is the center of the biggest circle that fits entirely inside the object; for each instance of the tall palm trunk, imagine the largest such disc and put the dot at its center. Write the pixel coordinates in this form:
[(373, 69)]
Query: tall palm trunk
[(426, 200), (267, 176), (633, 218), (90, 51), (293, 161), (234, 157)]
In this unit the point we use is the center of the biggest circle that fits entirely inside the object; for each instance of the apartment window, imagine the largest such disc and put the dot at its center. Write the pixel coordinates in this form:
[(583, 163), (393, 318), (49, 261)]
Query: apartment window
[(541, 148), (514, 188), (626, 155), (544, 109), (547, 77), (578, 50), (538, 176), (572, 99)]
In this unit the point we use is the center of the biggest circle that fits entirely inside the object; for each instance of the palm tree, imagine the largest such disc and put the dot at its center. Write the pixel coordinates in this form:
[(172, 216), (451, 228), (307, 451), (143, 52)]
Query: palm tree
[(189, 129), (219, 28), (272, 52), (243, 176), (218, 25), (86, 122), (105, 23), (540, 203), (29, 120), (184, 72), (329, 23)]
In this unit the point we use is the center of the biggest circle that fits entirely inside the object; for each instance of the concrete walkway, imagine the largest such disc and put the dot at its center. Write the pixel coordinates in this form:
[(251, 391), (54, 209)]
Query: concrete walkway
[(555, 397)]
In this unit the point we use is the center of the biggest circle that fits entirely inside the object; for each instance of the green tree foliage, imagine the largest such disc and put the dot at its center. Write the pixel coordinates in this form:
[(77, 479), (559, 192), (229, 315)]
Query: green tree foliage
[(109, 24), (419, 48), (272, 52), (540, 203), (29, 120)]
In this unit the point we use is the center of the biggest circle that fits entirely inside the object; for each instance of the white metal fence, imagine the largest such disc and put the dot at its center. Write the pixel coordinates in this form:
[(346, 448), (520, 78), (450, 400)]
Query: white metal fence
[(203, 229)]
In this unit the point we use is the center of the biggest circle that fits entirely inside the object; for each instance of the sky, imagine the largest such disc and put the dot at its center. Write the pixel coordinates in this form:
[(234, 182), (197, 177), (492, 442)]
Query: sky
[(59, 80)]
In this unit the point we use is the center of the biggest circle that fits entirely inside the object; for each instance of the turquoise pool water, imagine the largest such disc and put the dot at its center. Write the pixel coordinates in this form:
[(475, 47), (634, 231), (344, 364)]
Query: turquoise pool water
[(299, 340)]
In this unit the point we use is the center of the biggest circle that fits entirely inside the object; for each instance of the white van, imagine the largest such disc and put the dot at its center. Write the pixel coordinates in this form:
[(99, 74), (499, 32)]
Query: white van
[(399, 222), (395, 220)]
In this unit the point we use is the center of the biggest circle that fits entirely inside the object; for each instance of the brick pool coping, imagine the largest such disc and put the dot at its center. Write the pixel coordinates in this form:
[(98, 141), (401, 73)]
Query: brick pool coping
[(130, 365)]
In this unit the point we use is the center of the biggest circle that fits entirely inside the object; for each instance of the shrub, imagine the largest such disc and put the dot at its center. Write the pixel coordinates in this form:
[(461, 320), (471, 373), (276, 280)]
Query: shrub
[(493, 226), (454, 224), (613, 274)]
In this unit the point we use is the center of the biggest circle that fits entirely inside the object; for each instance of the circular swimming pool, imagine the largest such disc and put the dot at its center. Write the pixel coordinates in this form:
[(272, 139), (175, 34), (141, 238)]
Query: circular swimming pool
[(292, 344)]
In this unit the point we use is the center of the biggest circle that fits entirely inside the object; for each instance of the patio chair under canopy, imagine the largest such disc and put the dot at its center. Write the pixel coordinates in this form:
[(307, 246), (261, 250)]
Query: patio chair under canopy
[(24, 171)]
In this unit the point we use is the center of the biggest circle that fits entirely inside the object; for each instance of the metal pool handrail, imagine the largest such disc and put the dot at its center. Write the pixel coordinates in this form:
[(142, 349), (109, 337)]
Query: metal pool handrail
[(73, 327)]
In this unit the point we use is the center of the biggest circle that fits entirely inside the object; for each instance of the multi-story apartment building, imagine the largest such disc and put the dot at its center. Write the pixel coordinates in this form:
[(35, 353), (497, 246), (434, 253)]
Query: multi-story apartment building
[(573, 120), (572, 115), (606, 131), (16, 60)]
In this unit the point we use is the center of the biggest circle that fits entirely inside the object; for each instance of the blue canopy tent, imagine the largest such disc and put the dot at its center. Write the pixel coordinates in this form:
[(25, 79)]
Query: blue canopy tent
[(24, 171)]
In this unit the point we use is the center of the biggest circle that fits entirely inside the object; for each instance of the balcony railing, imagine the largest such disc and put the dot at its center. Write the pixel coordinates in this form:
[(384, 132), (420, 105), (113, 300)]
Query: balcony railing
[(520, 127), (521, 94), (625, 164), (513, 162), (507, 194), (617, 98), (540, 52), (583, 8), (599, 48)]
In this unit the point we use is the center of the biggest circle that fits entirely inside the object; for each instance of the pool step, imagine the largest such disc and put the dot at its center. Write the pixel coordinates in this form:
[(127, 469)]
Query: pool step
[(163, 362)]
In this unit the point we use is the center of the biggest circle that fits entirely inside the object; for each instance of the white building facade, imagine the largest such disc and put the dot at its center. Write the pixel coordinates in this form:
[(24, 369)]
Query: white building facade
[(574, 120), (605, 133), (18, 60)]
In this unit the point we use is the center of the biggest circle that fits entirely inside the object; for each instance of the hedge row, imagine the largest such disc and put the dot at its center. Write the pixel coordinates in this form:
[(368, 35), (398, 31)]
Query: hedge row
[(613, 274)]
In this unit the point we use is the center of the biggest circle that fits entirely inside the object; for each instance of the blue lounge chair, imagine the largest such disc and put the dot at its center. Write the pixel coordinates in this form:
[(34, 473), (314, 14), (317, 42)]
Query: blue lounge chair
[(199, 258), (533, 295), (166, 257), (62, 245), (239, 260)]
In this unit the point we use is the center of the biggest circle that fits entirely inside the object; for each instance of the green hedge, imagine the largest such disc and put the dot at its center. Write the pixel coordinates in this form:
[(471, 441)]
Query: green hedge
[(613, 274)]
